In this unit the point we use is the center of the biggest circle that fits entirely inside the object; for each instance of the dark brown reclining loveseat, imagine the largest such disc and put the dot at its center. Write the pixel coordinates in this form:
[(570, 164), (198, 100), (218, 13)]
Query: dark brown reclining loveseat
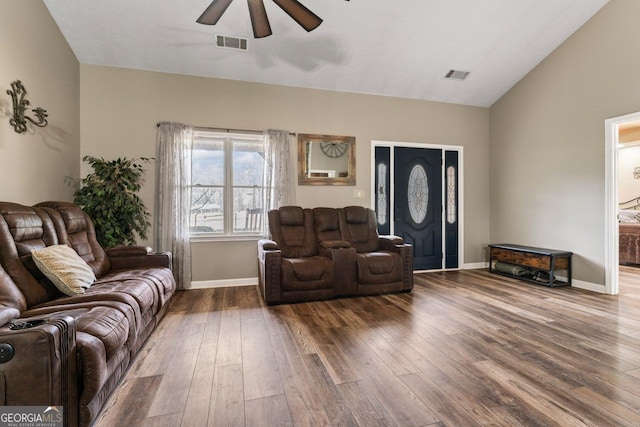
[(322, 253), (71, 351)]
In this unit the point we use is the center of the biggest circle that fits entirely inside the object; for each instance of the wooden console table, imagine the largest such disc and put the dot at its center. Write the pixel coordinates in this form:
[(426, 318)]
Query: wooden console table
[(534, 261)]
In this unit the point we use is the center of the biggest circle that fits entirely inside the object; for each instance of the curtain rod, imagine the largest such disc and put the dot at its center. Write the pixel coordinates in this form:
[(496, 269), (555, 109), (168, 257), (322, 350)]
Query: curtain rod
[(228, 130)]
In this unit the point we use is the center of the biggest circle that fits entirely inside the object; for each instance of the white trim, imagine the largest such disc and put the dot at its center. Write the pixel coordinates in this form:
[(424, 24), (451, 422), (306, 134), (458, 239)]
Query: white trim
[(226, 238), (461, 215), (380, 143), (611, 249), (224, 283), (475, 265), (579, 284), (469, 266), (460, 183), (443, 210), (588, 286)]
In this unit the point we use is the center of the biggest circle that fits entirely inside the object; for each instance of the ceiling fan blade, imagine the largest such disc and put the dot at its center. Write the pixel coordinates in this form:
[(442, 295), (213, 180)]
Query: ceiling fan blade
[(303, 16), (212, 14), (259, 20)]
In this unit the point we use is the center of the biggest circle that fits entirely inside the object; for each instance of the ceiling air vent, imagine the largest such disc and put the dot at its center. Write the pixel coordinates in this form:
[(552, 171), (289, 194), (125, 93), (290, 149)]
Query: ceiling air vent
[(230, 42), (457, 74)]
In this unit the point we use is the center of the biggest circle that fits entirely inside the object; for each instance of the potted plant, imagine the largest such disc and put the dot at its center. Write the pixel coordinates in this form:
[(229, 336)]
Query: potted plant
[(109, 196)]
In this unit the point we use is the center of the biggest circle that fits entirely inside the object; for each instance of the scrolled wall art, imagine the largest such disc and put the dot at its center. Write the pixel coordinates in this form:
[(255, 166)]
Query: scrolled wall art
[(19, 119)]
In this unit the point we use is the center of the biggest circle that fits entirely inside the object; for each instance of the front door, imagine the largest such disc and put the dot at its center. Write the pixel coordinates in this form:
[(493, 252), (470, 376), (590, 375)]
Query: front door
[(418, 204)]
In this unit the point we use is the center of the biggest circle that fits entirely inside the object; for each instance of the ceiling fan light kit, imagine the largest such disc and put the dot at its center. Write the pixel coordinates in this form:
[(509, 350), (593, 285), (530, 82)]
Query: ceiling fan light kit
[(258, 14)]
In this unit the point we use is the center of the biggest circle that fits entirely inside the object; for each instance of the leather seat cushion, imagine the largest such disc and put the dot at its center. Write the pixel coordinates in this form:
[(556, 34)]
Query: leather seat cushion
[(159, 279), (99, 307), (379, 267), (150, 288), (143, 289), (108, 322), (307, 273), (145, 296), (110, 326), (138, 294)]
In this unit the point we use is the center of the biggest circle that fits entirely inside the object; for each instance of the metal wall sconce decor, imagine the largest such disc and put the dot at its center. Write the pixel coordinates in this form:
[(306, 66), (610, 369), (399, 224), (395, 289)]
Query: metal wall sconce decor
[(19, 119)]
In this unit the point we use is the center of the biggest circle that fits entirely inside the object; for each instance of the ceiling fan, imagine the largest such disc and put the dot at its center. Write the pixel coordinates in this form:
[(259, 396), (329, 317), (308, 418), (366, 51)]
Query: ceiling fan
[(259, 20)]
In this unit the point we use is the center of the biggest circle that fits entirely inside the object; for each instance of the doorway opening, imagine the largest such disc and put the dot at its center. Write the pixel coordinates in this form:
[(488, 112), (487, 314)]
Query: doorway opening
[(613, 128)]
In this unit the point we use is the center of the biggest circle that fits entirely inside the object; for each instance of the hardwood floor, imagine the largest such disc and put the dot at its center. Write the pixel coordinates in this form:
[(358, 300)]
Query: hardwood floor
[(465, 348)]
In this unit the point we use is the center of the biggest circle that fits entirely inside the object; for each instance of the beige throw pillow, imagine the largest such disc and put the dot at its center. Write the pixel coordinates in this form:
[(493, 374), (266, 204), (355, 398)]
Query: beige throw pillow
[(64, 267)]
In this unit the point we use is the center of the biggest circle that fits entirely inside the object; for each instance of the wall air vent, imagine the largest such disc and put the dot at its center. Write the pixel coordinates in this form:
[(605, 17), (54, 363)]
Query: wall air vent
[(231, 42), (457, 74)]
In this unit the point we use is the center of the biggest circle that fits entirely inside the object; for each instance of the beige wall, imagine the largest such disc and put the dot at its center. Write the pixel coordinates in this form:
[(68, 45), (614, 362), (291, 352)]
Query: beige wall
[(34, 165), (547, 140), (120, 108)]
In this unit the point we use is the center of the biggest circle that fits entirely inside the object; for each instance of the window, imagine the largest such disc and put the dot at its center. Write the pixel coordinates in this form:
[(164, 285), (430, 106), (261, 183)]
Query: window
[(418, 194), (382, 194), (226, 184), (451, 195)]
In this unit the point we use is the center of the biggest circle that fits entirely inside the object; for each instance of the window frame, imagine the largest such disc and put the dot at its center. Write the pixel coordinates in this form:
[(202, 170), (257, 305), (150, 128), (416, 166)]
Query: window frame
[(228, 187)]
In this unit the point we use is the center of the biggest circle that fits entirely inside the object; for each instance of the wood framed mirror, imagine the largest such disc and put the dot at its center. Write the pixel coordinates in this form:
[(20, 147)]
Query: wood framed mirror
[(326, 159)]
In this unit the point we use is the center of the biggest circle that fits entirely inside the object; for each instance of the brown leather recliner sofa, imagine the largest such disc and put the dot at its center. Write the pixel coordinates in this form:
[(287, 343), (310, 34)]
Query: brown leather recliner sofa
[(72, 351), (322, 253)]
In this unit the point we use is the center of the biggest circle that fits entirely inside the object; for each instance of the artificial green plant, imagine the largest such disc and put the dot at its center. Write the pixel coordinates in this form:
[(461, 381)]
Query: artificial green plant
[(109, 196)]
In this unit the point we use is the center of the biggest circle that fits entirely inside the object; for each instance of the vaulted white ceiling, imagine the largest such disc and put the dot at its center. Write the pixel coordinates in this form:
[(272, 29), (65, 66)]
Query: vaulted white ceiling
[(400, 48)]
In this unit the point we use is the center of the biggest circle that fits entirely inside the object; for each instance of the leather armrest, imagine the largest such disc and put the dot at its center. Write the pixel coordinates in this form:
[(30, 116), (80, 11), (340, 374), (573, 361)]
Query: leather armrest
[(268, 245), (396, 240), (330, 248), (392, 243), (334, 244), (39, 364), (268, 249), (123, 261), (128, 250), (269, 275)]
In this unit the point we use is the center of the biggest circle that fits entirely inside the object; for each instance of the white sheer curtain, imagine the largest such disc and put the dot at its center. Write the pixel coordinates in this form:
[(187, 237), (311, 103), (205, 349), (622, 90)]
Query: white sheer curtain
[(279, 174), (173, 196)]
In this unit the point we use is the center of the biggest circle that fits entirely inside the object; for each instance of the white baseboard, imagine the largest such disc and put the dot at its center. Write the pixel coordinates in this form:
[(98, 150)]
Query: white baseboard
[(224, 283), (475, 266), (588, 286), (252, 281), (580, 284)]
